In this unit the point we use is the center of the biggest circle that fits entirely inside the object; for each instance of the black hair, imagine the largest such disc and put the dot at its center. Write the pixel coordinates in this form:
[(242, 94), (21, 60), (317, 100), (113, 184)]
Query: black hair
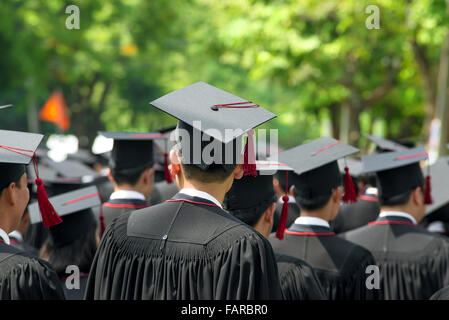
[(17, 182), (130, 177), (252, 215), (79, 252), (397, 200), (214, 173), (314, 203)]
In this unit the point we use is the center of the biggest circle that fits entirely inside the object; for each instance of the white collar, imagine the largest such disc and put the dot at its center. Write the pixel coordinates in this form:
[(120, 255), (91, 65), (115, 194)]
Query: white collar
[(291, 199), (312, 221), (16, 235), (4, 236), (200, 194), (127, 194), (371, 191), (397, 214)]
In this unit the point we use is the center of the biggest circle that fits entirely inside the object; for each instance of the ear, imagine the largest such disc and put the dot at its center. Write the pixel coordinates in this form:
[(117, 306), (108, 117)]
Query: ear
[(269, 213), (147, 175), (337, 195), (8, 194), (238, 172), (292, 191), (418, 196), (110, 177)]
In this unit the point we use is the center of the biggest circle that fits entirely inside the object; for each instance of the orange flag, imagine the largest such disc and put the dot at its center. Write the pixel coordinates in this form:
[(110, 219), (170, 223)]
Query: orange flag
[(55, 110)]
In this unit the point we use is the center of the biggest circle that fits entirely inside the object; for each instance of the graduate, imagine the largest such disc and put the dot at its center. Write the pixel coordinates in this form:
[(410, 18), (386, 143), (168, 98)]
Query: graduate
[(189, 247), (362, 212), (253, 201), (412, 261), (131, 171), (339, 264), (74, 241), (22, 276)]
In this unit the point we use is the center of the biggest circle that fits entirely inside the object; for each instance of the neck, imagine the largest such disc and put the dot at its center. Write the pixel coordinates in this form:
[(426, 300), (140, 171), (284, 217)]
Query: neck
[(6, 224), (401, 209), (128, 187), (216, 190), (322, 214)]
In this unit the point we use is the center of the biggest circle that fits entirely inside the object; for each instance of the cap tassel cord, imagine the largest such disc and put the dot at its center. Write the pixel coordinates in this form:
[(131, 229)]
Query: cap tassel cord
[(49, 216), (284, 213), (349, 192), (249, 165), (428, 192), (167, 174)]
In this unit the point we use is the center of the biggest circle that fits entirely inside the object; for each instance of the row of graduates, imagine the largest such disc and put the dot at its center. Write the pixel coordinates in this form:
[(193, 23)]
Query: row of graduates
[(227, 233)]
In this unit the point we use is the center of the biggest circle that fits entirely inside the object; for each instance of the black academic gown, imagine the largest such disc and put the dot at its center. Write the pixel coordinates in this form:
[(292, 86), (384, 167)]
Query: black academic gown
[(339, 264), (184, 248), (355, 215), (442, 294), (298, 280), (19, 244), (75, 294), (293, 213), (23, 277), (114, 208), (413, 262)]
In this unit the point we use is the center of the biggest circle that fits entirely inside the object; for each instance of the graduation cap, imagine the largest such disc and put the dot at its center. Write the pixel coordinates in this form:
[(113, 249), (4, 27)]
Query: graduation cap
[(213, 116), (250, 196), (354, 165), (316, 166), (73, 207), (132, 151), (71, 169), (399, 172), (385, 145), (17, 149), (83, 156)]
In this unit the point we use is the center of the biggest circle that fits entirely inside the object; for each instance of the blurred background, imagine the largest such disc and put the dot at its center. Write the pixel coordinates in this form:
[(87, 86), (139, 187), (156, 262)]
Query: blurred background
[(316, 64)]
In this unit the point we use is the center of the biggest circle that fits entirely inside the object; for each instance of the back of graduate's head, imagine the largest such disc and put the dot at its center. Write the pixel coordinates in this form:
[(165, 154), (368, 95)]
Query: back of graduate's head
[(253, 201), (318, 189), (402, 189), (131, 165), (204, 158)]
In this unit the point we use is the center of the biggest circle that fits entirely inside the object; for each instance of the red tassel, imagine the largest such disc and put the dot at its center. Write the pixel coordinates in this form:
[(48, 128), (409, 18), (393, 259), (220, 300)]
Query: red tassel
[(102, 225), (283, 220), (48, 213), (349, 193), (167, 174), (427, 192), (249, 165)]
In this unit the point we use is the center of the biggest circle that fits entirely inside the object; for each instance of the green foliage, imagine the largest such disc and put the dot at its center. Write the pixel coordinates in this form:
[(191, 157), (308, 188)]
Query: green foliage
[(302, 60)]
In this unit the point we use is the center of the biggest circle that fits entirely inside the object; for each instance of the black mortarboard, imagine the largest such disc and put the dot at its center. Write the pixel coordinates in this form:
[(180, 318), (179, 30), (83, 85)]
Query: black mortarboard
[(316, 166), (82, 155), (74, 208), (214, 120), (71, 169), (17, 149), (397, 172), (250, 196), (132, 151), (385, 145)]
